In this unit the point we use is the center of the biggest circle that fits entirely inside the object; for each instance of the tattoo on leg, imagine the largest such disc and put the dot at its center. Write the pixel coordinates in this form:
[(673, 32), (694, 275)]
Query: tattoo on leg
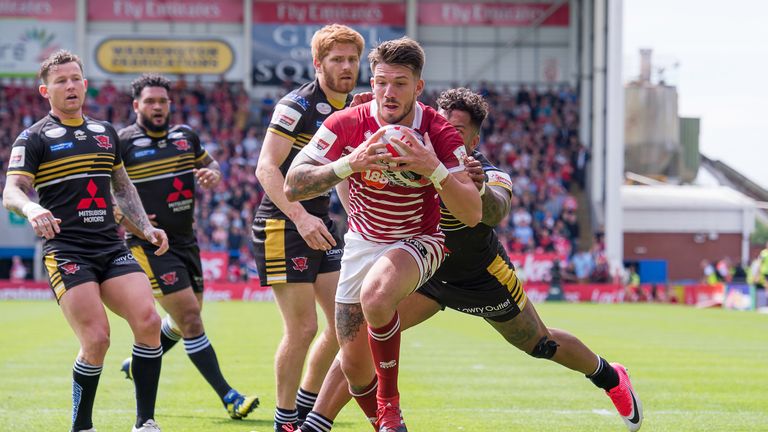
[(518, 331), (349, 318)]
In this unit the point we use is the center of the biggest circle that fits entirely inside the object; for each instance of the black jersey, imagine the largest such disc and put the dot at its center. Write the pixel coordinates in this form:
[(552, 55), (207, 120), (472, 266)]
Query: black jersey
[(72, 170), (161, 169), (297, 116), (471, 249)]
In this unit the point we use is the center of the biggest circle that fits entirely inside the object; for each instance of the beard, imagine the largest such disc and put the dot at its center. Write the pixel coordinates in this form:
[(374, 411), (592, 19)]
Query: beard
[(149, 123), (337, 85), (394, 118)]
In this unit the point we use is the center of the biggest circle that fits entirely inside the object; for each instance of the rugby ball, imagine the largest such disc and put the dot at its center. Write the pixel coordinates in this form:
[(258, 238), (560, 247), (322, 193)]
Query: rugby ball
[(402, 178)]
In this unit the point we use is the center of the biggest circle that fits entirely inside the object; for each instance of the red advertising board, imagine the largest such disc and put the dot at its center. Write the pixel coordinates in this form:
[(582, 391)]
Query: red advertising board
[(216, 11), (575, 293), (214, 265), (449, 13), (533, 267), (244, 291), (26, 290), (349, 13), (49, 10)]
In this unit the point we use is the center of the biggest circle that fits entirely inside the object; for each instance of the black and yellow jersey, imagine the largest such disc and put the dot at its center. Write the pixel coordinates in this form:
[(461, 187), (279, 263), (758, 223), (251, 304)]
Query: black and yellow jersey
[(470, 249), (297, 116), (160, 166), (71, 164)]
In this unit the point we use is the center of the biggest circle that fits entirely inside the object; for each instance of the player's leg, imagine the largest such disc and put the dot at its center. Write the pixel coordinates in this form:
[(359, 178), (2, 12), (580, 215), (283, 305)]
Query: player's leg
[(129, 296), (334, 393), (323, 350), (86, 316), (297, 308), (527, 332)]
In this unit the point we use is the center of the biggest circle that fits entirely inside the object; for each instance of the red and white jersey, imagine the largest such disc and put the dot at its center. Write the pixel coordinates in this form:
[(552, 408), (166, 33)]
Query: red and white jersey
[(381, 211)]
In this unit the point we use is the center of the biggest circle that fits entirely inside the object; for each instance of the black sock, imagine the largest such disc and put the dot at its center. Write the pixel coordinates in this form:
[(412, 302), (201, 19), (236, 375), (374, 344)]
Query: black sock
[(305, 401), (201, 352), (145, 365), (283, 417), (168, 335), (85, 380), (605, 376), (317, 422)]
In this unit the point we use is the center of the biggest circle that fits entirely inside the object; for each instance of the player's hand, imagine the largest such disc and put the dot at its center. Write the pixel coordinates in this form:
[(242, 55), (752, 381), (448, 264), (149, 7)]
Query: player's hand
[(418, 158), (474, 168), (371, 154), (313, 230), (42, 221), (207, 178), (361, 98), (157, 237)]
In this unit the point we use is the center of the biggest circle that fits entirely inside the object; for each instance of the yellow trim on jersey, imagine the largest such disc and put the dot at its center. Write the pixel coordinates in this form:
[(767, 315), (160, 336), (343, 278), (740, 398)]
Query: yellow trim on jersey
[(160, 162), (24, 173), (202, 156), (282, 134), (338, 104), (156, 134), (54, 277), (274, 251), (507, 277), (162, 166), (87, 169), (70, 159), (143, 260), (117, 167), (72, 122)]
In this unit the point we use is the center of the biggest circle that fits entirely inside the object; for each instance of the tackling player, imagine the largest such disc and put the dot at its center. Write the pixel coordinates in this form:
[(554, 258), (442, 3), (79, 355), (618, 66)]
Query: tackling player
[(297, 246), (394, 243), (71, 161), (164, 161)]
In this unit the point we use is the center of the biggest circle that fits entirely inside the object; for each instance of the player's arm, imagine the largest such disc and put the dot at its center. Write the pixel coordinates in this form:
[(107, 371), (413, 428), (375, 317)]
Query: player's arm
[(495, 198), (456, 190), (130, 204), (18, 187), (207, 172), (308, 178)]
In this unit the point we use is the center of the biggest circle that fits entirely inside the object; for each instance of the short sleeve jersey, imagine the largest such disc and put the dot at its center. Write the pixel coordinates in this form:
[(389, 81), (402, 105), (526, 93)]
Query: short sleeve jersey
[(297, 116), (161, 169), (379, 210), (471, 249), (71, 168)]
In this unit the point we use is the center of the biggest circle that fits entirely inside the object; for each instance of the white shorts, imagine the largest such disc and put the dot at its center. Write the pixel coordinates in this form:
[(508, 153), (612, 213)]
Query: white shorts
[(360, 255)]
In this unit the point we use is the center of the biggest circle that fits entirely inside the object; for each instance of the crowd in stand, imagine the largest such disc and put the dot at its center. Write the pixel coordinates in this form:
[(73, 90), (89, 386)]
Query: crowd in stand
[(531, 134)]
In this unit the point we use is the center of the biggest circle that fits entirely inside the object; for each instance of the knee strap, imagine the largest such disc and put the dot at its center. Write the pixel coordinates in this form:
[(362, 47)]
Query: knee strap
[(545, 348)]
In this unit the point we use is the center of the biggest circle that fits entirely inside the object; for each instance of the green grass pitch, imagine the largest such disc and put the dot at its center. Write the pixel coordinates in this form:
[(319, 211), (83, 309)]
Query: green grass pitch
[(695, 370)]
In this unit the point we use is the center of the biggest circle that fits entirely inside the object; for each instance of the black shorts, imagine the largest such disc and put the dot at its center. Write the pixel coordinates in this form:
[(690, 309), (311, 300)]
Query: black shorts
[(67, 269), (172, 271), (495, 293), (282, 255)]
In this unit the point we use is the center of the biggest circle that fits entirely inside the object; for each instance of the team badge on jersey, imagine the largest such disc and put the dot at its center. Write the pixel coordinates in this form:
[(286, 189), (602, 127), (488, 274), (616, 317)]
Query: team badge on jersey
[(323, 108), (80, 135), (182, 145), (17, 157), (169, 278), (103, 141), (300, 263), (69, 268)]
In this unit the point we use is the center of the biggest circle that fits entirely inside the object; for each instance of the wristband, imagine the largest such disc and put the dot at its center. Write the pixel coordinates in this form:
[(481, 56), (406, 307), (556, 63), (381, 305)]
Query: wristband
[(438, 175), (341, 167), (482, 189), (29, 207)]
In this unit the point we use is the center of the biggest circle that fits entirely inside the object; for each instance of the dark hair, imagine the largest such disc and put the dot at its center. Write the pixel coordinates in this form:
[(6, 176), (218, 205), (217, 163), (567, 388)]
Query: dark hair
[(464, 99), (58, 58), (149, 80), (404, 52)]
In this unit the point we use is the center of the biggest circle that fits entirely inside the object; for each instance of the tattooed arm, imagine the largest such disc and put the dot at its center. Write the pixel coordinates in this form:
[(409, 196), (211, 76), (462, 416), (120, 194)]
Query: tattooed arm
[(496, 202), (308, 178), (16, 199), (130, 204)]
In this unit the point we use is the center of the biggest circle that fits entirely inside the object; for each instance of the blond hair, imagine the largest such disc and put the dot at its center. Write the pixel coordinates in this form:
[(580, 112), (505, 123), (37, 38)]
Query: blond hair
[(324, 39)]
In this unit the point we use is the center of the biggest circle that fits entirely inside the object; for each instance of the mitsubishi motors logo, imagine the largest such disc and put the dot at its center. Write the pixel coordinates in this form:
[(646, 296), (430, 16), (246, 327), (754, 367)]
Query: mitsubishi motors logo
[(86, 203), (180, 191), (181, 199)]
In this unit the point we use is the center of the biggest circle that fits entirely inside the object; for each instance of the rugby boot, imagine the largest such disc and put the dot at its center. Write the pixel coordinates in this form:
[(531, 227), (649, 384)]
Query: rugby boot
[(390, 419), (625, 400)]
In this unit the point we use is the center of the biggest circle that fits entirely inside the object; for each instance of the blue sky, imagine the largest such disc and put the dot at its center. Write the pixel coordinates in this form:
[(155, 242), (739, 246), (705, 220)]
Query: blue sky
[(722, 75)]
